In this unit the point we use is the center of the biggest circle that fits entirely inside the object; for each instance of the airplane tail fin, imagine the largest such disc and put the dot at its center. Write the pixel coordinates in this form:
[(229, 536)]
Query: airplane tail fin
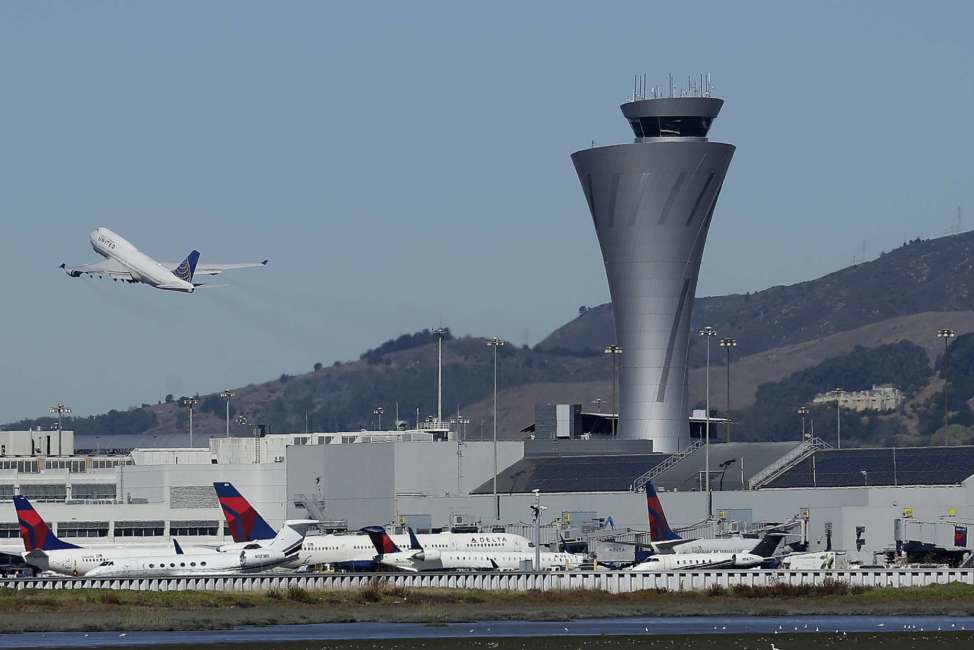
[(413, 541), (244, 522), (768, 545), (33, 530), (641, 554), (659, 529), (177, 547), (380, 540), (187, 267), (289, 539)]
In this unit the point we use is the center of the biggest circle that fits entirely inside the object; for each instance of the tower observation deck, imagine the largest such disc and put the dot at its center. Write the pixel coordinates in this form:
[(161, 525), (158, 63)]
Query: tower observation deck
[(652, 202)]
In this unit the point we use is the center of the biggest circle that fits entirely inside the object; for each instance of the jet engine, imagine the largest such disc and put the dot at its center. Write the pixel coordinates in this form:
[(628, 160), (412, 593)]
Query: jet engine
[(430, 555), (260, 557)]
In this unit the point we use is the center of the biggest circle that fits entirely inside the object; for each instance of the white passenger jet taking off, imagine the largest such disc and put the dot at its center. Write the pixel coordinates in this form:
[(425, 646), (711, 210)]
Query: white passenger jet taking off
[(124, 262)]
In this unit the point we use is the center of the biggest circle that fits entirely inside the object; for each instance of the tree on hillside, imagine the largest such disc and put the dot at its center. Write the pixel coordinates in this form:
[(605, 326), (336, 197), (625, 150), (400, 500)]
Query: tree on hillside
[(773, 415)]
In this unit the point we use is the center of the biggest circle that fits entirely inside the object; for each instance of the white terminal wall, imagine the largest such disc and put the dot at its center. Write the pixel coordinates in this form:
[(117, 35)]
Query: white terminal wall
[(263, 485), (36, 443), (366, 484)]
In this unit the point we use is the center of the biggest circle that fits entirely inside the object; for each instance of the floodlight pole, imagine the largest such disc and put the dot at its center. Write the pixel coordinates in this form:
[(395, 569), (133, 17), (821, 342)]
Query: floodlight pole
[(946, 335), (439, 332), (838, 416), (61, 410), (226, 395), (728, 344), (495, 342), (708, 332), (190, 403), (803, 411), (615, 351)]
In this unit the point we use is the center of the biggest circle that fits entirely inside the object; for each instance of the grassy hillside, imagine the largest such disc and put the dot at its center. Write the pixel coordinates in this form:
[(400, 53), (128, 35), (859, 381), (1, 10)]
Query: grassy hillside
[(921, 276), (905, 295)]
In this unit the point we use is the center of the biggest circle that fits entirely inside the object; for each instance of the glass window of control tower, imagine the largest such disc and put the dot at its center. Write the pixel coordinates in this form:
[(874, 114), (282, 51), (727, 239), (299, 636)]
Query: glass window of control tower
[(683, 126)]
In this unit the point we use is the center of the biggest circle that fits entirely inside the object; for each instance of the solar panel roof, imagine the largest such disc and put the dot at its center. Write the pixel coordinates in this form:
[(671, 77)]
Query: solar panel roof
[(573, 473), (903, 466)]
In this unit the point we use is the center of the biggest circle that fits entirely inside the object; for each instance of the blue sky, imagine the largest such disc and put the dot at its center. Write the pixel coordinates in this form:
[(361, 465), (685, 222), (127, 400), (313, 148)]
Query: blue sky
[(406, 165)]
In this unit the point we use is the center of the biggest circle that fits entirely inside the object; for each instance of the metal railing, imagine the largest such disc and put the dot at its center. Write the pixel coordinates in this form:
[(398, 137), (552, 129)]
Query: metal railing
[(640, 482), (610, 581), (786, 462)]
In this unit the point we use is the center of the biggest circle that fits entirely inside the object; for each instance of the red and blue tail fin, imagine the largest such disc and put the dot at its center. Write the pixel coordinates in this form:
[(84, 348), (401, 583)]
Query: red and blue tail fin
[(187, 267), (659, 529), (33, 530), (245, 523), (380, 540)]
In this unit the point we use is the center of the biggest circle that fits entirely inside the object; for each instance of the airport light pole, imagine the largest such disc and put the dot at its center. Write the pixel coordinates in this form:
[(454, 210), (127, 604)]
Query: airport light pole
[(537, 509), (60, 410), (727, 344), (226, 395), (615, 351), (190, 403), (378, 411), (946, 335), (803, 411), (495, 342), (708, 332), (439, 333), (838, 416), (865, 477)]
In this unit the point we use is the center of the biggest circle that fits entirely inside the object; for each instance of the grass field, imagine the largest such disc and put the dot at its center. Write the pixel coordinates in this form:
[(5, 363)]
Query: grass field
[(89, 610)]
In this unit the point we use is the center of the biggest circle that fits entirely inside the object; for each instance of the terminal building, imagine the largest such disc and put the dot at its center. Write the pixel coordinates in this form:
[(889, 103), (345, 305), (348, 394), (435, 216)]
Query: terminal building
[(868, 502)]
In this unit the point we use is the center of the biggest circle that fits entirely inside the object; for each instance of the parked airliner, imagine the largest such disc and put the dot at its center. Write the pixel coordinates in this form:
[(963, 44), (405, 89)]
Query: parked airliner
[(353, 552), (416, 558), (46, 552), (665, 541), (696, 561), (126, 263)]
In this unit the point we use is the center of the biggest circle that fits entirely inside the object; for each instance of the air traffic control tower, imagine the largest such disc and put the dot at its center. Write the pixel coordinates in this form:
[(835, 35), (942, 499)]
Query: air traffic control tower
[(652, 202)]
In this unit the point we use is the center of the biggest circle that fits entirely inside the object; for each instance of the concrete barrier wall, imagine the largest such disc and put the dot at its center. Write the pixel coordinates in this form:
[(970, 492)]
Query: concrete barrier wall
[(610, 581)]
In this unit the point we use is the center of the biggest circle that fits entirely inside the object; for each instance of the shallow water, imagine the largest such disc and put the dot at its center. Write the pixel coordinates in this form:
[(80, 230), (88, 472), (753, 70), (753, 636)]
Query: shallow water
[(739, 633)]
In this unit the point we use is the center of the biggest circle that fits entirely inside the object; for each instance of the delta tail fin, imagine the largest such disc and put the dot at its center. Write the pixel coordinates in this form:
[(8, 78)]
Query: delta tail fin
[(187, 267), (33, 530), (380, 540), (244, 522), (413, 541), (659, 529), (768, 545)]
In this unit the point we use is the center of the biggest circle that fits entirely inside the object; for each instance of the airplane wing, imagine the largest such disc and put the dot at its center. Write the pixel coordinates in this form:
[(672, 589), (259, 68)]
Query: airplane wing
[(106, 268), (217, 269), (665, 547)]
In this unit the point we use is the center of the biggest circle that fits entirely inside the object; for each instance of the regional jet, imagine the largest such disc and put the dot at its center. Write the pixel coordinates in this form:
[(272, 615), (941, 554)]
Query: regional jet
[(44, 551), (352, 552), (416, 558), (125, 263), (253, 558), (697, 561), (665, 541)]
